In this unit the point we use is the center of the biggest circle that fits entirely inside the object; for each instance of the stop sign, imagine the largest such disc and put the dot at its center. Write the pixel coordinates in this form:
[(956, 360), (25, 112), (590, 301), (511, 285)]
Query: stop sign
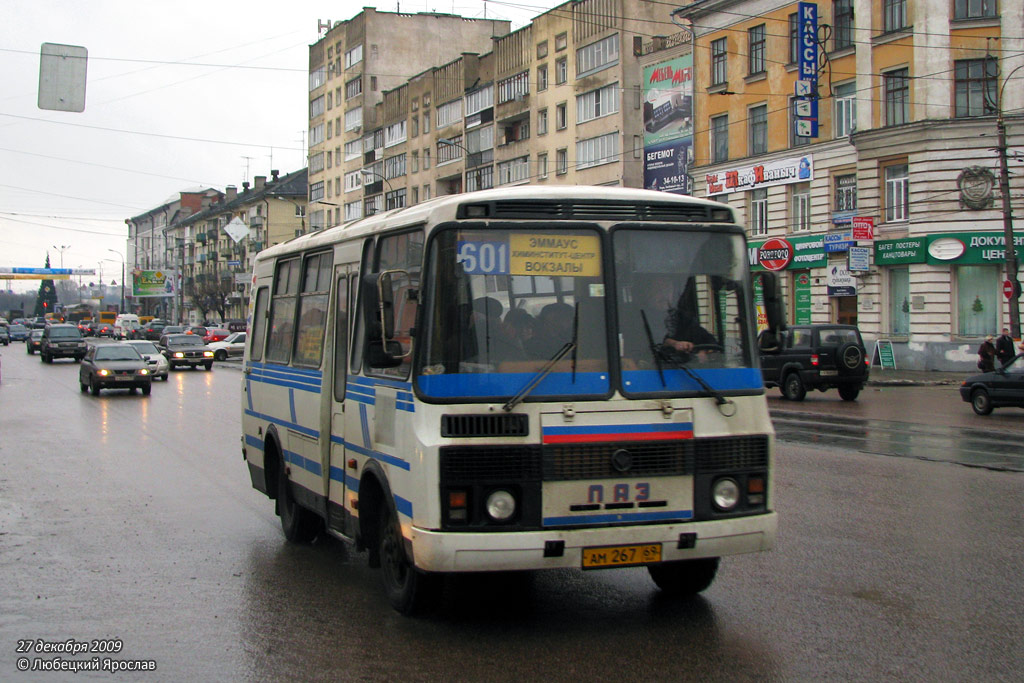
[(1008, 288)]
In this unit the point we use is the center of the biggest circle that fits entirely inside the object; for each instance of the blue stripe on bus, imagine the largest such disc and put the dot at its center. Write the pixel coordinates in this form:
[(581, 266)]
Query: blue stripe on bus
[(620, 429), (613, 517), (285, 383), (284, 372), (363, 390), (403, 506), (303, 462), (364, 420), (339, 474), (287, 369), (289, 425), (383, 457), (374, 381), (470, 385), (254, 442), (722, 379)]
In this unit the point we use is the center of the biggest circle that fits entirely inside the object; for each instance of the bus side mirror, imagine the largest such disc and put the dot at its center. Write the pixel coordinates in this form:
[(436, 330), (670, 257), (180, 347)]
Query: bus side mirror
[(773, 307)]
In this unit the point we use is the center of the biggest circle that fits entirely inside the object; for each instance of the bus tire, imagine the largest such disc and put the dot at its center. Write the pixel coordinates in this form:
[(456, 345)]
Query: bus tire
[(409, 591), (299, 524), (685, 577)]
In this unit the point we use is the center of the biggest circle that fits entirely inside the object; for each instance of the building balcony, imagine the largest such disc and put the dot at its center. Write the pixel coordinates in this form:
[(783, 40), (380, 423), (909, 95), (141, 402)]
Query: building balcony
[(201, 238), (255, 221)]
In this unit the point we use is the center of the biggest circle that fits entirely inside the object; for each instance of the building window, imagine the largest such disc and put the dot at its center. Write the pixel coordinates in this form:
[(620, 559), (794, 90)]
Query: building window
[(603, 149), (316, 134), (515, 131), (842, 24), (755, 49), (353, 88), (514, 87), (561, 70), (897, 193), (846, 109), (561, 161), (353, 150), (977, 300), (975, 87), (414, 126), (480, 146), (316, 78), (394, 167), (316, 107), (449, 113), (720, 138), (794, 37), (846, 193), (542, 122), (354, 210), (794, 139), (394, 134), (426, 159), (415, 195), (974, 9), (542, 165), (560, 116), (353, 56), (895, 12), (374, 204), (800, 207), (414, 161), (449, 153), (480, 179), (542, 78), (561, 42), (897, 97), (479, 100), (899, 301), (597, 56), (395, 199), (353, 181), (597, 103), (758, 199), (514, 171), (718, 62), (316, 191), (316, 162), (353, 119), (426, 121), (426, 192), (542, 49), (757, 123)]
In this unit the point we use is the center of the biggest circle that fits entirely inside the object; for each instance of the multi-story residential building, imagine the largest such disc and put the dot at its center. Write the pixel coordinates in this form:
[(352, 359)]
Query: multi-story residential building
[(213, 248), (558, 101), (907, 99), (147, 249)]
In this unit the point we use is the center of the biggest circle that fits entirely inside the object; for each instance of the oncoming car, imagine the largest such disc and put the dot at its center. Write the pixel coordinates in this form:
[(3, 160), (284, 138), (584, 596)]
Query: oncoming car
[(114, 366), (158, 365), (186, 349), (999, 388), (34, 341)]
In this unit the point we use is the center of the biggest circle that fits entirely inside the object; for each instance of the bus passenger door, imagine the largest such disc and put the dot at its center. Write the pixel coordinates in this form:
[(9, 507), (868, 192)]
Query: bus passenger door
[(339, 491)]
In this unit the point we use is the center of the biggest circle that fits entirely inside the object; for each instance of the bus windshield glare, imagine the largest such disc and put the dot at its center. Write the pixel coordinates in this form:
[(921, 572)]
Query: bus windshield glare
[(502, 303)]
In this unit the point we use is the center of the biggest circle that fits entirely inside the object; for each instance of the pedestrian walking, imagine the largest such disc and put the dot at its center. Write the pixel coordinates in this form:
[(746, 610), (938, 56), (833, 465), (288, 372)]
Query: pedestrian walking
[(1004, 347), (987, 355)]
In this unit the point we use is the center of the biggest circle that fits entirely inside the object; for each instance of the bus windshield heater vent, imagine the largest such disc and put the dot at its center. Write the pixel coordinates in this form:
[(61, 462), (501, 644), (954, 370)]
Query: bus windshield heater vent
[(464, 426)]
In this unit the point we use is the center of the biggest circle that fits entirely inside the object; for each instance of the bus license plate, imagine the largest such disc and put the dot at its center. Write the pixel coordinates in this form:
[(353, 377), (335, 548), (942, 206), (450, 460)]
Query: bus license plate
[(621, 555)]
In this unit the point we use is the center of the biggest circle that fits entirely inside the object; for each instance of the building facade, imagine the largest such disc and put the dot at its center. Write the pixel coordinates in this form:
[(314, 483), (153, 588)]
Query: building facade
[(907, 100)]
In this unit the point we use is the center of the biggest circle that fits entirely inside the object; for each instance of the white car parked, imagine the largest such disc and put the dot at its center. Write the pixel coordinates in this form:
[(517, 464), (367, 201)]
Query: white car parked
[(157, 363), (232, 345)]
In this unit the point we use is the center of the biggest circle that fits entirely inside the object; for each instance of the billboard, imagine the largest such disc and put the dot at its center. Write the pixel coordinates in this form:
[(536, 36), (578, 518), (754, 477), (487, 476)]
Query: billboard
[(668, 124), (154, 283)]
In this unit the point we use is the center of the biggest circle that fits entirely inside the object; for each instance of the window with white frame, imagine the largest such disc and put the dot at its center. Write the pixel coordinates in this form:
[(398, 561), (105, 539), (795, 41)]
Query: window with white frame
[(426, 192), (353, 149), (414, 126), (394, 134), (542, 78), (316, 134), (353, 118), (374, 204), (480, 146), (316, 107), (479, 100), (394, 167), (317, 78), (755, 49), (449, 113), (542, 49), (446, 153), (480, 179), (561, 118), (353, 56), (513, 87), (597, 103), (561, 70), (353, 181), (353, 88), (846, 108), (542, 122), (354, 210), (845, 192), (800, 207), (758, 211), (395, 199), (514, 171), (426, 159), (895, 14), (596, 56), (974, 9), (561, 161), (561, 42), (426, 121), (316, 191), (897, 193), (603, 149), (414, 162), (542, 165), (316, 162)]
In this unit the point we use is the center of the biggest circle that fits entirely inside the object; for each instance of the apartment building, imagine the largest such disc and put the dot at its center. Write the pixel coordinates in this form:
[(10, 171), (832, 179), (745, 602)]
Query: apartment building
[(908, 96), (559, 101)]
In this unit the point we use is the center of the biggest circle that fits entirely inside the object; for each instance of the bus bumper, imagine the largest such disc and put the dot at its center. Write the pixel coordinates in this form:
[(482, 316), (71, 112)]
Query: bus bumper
[(472, 552)]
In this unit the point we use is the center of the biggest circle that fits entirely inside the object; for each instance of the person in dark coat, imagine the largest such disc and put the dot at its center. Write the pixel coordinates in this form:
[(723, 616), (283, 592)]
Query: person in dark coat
[(987, 355), (1004, 347)]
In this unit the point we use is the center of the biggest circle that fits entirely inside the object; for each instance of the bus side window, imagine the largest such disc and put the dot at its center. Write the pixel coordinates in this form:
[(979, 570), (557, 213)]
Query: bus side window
[(341, 338), (259, 324), (365, 266)]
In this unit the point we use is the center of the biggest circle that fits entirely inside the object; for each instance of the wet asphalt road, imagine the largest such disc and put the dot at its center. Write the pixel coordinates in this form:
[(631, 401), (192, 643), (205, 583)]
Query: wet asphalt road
[(132, 518)]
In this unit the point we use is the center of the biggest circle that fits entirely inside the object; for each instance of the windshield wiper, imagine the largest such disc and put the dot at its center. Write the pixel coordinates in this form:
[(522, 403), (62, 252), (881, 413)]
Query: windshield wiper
[(719, 397), (655, 350), (541, 374)]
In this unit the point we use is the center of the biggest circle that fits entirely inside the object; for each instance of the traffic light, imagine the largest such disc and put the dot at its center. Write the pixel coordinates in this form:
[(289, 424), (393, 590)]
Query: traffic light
[(46, 304)]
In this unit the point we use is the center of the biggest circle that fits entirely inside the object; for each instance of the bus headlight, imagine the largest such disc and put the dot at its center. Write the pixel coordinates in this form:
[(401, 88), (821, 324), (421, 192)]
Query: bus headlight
[(501, 505), (726, 494)]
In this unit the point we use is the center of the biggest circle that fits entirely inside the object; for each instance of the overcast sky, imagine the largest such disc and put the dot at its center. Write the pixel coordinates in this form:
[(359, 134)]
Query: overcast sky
[(178, 95)]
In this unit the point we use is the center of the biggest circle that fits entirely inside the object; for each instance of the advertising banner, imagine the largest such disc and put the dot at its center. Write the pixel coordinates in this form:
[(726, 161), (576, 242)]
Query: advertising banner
[(840, 282), (154, 283), (901, 251), (781, 172), (802, 299), (668, 124), (806, 252), (970, 248)]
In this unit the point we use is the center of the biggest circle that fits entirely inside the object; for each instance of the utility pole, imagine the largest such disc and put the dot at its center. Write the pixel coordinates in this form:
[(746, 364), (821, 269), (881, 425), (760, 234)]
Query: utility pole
[(1004, 191)]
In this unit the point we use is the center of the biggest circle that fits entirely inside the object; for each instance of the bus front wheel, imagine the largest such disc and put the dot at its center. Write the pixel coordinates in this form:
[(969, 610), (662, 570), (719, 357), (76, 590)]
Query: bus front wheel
[(685, 577), (409, 591)]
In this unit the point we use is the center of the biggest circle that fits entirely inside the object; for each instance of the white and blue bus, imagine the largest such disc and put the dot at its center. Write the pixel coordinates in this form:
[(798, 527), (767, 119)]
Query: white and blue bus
[(515, 379)]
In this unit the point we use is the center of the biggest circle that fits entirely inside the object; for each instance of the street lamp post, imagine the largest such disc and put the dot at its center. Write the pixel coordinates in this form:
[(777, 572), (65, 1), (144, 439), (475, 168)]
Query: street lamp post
[(122, 277), (370, 172), (1004, 190)]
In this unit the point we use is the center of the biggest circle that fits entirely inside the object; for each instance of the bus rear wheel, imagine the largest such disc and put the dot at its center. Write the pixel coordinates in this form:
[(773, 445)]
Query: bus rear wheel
[(409, 591), (684, 578), (299, 524)]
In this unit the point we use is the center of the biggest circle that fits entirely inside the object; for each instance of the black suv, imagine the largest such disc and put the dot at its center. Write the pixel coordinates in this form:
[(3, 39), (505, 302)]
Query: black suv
[(62, 341), (814, 357)]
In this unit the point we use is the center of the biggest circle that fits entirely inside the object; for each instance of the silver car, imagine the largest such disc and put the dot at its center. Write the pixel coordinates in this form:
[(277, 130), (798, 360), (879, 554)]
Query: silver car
[(159, 368)]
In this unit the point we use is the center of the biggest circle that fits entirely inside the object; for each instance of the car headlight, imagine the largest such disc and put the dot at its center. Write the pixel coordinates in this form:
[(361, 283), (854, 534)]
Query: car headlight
[(179, 354), (208, 354), (143, 371), (501, 505), (103, 372), (725, 494)]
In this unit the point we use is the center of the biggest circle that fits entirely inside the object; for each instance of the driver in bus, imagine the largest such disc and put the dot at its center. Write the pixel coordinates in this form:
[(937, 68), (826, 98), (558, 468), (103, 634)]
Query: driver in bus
[(680, 329)]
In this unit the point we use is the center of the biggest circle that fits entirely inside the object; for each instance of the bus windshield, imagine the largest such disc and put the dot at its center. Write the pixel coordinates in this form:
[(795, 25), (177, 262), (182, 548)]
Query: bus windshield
[(502, 303)]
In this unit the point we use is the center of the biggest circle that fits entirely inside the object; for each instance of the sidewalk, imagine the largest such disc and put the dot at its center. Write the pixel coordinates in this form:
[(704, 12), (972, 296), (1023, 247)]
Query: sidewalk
[(890, 377)]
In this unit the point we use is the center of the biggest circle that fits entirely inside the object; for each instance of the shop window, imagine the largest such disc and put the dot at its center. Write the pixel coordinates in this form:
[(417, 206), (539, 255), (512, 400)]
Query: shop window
[(899, 301), (977, 300)]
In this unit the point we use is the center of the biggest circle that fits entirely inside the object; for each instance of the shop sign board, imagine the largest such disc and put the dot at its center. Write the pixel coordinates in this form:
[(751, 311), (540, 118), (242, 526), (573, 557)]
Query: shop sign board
[(838, 241), (802, 299), (900, 251), (859, 258), (863, 228), (807, 252), (839, 281), (970, 248), (779, 172)]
